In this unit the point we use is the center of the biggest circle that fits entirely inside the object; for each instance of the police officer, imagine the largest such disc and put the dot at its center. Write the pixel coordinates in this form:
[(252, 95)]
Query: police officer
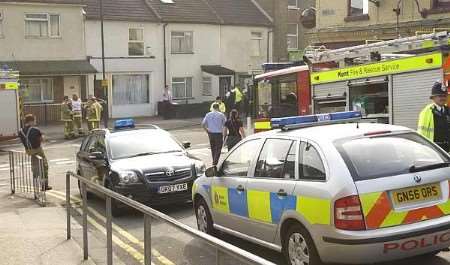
[(93, 113), (434, 120), (66, 117), (32, 138)]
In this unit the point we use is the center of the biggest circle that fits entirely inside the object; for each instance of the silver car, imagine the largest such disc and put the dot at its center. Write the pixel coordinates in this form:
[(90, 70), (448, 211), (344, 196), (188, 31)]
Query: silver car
[(341, 193)]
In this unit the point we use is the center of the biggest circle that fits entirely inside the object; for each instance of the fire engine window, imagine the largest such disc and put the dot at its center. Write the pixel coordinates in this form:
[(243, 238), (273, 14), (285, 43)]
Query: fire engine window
[(288, 93), (371, 99)]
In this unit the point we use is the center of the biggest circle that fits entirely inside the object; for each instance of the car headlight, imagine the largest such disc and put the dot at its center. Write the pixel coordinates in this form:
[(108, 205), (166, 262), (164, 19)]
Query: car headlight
[(200, 168), (128, 177)]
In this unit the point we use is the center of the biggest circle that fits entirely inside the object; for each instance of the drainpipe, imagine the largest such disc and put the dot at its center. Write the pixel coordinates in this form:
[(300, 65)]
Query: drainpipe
[(165, 54), (268, 45)]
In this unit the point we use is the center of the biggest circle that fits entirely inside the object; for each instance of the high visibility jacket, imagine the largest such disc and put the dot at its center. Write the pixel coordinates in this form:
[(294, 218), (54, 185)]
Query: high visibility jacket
[(425, 125), (222, 107), (94, 111), (238, 95), (66, 112)]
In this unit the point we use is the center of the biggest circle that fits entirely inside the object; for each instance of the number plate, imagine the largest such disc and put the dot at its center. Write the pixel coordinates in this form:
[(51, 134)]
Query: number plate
[(417, 194), (173, 188)]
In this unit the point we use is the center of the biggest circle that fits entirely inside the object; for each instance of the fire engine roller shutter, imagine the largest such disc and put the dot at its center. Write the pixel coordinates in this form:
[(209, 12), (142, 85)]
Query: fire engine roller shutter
[(411, 93), (330, 89)]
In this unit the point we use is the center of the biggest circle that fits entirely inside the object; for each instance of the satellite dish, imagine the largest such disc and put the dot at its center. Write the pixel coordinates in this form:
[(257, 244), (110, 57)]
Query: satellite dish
[(308, 18)]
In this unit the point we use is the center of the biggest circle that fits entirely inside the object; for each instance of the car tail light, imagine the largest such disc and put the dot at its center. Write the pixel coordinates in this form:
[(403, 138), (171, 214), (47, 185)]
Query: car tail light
[(348, 214)]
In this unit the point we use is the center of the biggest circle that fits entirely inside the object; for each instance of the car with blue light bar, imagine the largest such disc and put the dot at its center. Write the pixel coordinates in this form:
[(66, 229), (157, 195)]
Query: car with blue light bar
[(146, 164), (331, 188)]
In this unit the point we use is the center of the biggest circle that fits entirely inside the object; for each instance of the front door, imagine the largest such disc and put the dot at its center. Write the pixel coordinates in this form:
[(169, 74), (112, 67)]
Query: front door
[(270, 191), (224, 85), (228, 192)]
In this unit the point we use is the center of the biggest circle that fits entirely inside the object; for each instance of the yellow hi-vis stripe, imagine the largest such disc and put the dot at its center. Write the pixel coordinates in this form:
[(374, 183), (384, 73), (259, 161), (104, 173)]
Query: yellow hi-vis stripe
[(259, 206), (263, 125), (220, 199), (368, 200), (394, 218), (315, 210), (445, 207)]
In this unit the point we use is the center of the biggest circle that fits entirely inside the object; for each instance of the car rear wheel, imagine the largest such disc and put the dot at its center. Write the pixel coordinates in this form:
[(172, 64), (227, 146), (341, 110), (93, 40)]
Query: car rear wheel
[(298, 247), (204, 220)]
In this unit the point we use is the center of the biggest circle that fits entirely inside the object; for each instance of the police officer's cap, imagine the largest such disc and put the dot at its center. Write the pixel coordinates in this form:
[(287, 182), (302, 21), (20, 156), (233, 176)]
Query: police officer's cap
[(438, 90)]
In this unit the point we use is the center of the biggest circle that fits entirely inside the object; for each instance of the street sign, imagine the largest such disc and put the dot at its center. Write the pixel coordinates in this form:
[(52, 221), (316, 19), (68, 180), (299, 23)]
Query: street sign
[(12, 85), (104, 83)]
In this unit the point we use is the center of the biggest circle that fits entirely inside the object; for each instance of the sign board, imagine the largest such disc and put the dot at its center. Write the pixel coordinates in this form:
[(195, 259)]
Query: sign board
[(409, 64), (104, 83)]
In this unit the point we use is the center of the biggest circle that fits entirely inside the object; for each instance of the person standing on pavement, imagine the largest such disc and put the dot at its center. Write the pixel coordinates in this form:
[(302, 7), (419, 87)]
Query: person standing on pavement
[(93, 113), (32, 138), (233, 130), (167, 103), (238, 97), (222, 107), (213, 123), (66, 117), (434, 120), (77, 114)]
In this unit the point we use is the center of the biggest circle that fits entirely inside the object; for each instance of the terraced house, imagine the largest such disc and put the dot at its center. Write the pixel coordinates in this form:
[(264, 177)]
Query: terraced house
[(199, 48)]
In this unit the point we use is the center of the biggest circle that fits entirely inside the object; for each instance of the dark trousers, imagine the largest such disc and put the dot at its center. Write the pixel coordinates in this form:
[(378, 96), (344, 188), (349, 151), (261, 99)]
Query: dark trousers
[(216, 142)]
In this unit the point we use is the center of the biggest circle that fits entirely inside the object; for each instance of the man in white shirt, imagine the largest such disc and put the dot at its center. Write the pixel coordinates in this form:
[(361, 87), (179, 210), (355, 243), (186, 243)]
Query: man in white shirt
[(167, 103), (77, 114)]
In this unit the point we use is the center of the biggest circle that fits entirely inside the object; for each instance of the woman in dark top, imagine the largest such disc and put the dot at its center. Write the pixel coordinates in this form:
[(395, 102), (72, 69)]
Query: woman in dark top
[(233, 130)]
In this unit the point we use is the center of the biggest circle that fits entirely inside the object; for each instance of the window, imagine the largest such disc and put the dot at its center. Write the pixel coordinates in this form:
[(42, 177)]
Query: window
[(256, 44), (41, 25), (207, 86), (38, 90), (441, 3), (182, 42), (238, 162), (182, 87), (358, 7), (130, 89), (310, 164), (277, 160), (385, 156), (293, 4), (292, 36), (136, 42)]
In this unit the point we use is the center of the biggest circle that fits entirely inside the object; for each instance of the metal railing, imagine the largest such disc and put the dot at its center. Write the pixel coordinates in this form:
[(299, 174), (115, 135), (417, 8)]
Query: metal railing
[(26, 176), (223, 249)]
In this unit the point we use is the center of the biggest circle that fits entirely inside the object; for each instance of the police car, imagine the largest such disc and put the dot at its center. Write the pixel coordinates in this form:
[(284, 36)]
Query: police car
[(342, 193), (147, 165)]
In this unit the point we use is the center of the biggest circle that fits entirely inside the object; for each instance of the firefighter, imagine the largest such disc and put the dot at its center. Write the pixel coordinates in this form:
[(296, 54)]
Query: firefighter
[(66, 117), (77, 114), (93, 113), (435, 118)]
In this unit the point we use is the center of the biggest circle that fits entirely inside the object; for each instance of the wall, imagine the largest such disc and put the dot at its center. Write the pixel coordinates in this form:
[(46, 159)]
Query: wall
[(15, 46), (118, 62)]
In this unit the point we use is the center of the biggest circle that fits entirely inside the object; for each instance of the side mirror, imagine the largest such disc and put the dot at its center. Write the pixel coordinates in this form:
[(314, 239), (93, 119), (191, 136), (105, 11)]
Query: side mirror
[(96, 156), (211, 172), (186, 145)]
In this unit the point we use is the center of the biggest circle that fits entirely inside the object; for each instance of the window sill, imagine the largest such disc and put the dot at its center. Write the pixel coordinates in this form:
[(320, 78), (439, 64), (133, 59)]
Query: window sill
[(183, 98), (357, 18), (293, 8), (438, 10), (42, 38), (182, 52)]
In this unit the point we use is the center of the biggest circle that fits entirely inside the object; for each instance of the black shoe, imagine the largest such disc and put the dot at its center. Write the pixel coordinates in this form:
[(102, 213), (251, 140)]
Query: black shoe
[(48, 188)]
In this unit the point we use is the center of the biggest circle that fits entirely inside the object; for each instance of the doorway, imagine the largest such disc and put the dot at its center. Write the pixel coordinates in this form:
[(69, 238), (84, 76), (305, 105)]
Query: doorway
[(224, 85)]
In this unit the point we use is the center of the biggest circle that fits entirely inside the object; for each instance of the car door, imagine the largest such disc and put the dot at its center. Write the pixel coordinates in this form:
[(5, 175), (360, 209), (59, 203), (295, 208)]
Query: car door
[(83, 157), (270, 189), (99, 165), (228, 191)]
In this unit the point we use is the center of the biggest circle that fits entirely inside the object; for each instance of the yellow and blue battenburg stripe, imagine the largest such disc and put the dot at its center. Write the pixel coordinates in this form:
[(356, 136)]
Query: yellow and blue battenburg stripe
[(266, 206)]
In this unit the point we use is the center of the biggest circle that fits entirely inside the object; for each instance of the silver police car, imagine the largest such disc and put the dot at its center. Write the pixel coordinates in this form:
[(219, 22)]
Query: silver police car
[(342, 193)]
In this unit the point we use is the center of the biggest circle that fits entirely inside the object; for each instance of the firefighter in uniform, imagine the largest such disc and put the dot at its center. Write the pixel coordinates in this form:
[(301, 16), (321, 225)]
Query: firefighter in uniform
[(434, 120), (77, 114), (66, 117), (32, 138), (93, 113)]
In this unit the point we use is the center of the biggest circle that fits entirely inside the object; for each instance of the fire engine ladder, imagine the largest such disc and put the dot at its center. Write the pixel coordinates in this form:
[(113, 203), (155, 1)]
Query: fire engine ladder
[(426, 41)]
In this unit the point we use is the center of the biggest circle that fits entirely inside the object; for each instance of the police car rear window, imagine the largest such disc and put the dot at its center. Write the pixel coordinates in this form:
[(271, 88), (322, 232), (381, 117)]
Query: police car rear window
[(388, 155)]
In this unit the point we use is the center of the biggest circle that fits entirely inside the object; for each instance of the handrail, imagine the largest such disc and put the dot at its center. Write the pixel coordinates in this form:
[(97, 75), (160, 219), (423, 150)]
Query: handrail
[(220, 245)]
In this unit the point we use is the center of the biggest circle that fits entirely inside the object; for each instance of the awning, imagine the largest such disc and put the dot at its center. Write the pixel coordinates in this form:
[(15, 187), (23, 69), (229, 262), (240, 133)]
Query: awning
[(216, 70), (65, 67)]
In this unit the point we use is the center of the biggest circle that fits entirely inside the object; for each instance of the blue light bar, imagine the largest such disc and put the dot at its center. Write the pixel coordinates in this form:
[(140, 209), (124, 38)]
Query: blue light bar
[(317, 119), (124, 124)]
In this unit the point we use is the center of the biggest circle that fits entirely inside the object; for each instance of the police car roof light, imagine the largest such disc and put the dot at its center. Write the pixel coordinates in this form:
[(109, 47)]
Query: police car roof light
[(297, 122), (124, 124)]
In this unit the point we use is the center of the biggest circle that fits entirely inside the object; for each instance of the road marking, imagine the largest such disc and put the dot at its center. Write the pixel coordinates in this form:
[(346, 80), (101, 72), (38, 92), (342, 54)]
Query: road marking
[(118, 229), (4, 165), (4, 169), (65, 162), (59, 159)]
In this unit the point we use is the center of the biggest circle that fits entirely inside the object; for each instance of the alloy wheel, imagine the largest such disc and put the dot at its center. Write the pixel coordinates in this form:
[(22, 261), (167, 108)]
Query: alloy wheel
[(202, 219), (298, 250)]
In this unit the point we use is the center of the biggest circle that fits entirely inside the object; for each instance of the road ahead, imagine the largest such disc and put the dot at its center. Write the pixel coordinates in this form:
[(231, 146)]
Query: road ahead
[(170, 246)]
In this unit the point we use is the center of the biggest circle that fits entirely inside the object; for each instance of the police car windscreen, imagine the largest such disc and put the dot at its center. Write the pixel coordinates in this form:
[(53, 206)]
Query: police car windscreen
[(388, 155), (141, 143)]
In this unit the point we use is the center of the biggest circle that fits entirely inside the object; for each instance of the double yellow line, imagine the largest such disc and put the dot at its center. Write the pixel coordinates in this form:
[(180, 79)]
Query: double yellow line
[(126, 247)]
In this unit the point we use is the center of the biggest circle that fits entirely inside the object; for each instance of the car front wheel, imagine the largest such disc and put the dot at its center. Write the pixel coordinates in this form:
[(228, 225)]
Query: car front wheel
[(298, 247), (204, 220)]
